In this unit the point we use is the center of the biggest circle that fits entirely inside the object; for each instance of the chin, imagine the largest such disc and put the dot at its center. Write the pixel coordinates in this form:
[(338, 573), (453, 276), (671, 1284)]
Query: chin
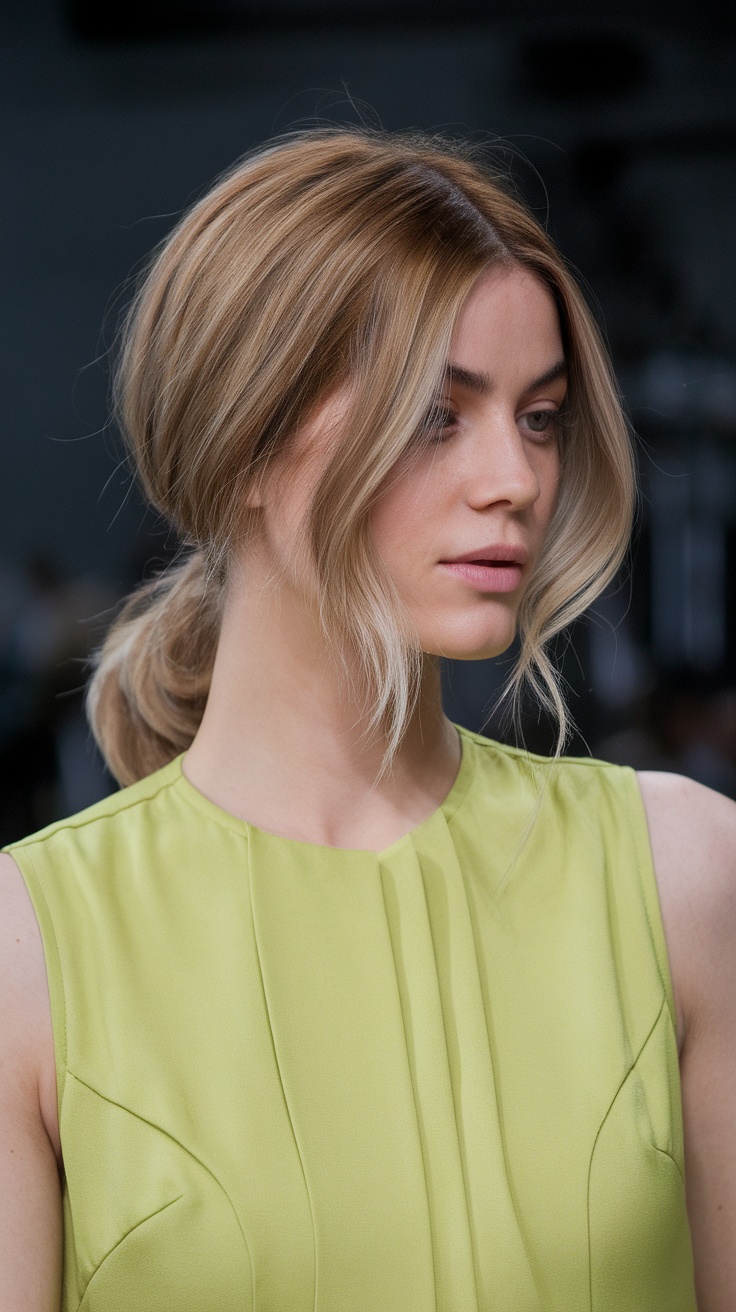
[(473, 643)]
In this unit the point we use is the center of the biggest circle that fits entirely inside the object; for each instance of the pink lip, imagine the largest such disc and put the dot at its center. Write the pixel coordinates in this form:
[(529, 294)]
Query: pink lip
[(496, 552), (497, 568)]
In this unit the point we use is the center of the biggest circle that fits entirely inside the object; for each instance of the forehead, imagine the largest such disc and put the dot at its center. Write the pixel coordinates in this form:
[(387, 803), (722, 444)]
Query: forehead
[(509, 318)]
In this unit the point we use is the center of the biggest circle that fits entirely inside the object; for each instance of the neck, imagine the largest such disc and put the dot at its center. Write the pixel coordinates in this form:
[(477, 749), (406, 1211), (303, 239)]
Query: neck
[(282, 744)]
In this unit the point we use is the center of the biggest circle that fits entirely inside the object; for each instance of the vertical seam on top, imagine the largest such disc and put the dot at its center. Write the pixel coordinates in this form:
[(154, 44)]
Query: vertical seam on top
[(497, 1098), (461, 1153), (280, 1079), (412, 1081)]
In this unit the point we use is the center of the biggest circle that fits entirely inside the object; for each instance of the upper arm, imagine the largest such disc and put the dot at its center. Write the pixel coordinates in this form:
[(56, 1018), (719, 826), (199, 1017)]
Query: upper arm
[(30, 1193), (693, 832)]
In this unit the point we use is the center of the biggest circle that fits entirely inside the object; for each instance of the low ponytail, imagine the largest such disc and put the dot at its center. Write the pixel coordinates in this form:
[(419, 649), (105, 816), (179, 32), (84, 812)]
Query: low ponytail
[(152, 674)]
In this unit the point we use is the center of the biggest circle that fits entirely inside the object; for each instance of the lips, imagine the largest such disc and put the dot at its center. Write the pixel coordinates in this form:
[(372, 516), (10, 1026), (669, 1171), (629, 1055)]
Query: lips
[(494, 569), (496, 554)]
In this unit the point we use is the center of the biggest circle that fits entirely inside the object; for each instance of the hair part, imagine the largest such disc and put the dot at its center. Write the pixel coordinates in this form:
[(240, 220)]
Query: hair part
[(337, 258)]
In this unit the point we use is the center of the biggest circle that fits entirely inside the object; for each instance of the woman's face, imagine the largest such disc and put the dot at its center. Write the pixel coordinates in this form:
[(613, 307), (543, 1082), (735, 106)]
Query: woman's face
[(460, 522), (480, 486)]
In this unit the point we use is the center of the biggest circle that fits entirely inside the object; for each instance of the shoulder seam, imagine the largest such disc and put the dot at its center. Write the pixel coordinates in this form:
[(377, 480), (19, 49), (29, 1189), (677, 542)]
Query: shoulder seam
[(535, 757), (74, 822)]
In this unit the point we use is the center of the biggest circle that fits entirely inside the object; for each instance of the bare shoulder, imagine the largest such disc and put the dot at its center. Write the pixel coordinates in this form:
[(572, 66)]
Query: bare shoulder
[(26, 1038), (690, 824), (693, 835)]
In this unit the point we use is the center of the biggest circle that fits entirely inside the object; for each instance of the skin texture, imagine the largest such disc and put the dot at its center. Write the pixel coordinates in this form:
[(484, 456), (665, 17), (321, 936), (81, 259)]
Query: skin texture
[(286, 727), (693, 833), (280, 746)]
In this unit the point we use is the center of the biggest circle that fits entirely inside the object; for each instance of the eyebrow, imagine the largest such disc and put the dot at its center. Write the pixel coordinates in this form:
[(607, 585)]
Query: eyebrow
[(481, 382)]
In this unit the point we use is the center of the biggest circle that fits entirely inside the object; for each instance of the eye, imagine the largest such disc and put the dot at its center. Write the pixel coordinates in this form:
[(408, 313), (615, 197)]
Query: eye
[(542, 422), (438, 425)]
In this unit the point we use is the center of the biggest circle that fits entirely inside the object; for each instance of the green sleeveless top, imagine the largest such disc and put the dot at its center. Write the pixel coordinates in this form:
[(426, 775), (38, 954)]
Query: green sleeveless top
[(294, 1078)]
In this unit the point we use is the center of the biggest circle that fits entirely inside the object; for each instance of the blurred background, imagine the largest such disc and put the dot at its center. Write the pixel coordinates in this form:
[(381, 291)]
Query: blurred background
[(619, 128)]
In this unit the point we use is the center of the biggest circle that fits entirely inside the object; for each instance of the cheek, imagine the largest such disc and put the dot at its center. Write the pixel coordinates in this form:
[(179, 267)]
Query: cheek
[(399, 519), (386, 533)]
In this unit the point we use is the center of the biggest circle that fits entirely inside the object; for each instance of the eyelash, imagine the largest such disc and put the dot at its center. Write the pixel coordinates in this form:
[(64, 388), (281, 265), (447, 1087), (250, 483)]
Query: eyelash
[(436, 424)]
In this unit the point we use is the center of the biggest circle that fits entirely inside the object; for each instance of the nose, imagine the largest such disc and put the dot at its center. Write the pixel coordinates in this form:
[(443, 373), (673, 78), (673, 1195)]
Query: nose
[(500, 470)]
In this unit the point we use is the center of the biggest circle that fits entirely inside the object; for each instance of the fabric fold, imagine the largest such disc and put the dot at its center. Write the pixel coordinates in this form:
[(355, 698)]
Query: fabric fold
[(439, 1078)]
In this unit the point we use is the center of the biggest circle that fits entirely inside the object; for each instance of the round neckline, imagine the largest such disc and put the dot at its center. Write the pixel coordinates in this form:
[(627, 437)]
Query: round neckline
[(245, 828)]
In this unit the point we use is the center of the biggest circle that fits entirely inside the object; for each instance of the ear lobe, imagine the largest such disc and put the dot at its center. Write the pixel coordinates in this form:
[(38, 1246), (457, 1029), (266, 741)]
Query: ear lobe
[(254, 497)]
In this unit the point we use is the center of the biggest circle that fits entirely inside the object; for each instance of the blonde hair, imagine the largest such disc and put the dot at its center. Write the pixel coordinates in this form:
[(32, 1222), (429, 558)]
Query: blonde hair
[(330, 257)]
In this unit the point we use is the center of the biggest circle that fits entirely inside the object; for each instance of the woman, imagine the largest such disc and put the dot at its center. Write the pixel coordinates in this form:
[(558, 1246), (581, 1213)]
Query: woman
[(337, 1006)]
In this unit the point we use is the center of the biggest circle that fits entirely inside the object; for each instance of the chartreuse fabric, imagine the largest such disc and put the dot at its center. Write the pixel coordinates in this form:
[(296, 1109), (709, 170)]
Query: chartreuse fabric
[(295, 1078)]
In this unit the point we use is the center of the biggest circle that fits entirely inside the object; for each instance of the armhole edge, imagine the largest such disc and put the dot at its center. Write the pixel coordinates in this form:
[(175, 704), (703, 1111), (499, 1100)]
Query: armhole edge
[(32, 877), (639, 829)]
